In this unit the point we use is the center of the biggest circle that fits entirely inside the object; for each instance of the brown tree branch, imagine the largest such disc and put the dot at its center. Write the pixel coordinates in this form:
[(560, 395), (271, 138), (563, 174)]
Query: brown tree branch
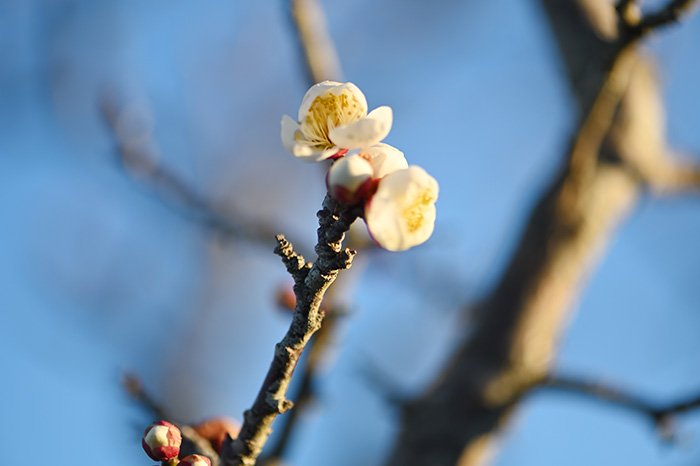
[(310, 284), (306, 390), (659, 414), (513, 340)]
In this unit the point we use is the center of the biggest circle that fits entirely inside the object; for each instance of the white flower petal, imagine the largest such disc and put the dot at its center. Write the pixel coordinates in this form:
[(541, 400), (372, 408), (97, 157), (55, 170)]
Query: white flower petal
[(328, 153), (401, 214), (308, 153), (331, 87), (385, 159), (157, 436), (303, 151), (364, 132), (288, 132)]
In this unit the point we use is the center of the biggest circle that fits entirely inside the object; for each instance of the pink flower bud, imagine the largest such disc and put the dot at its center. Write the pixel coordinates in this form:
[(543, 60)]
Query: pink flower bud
[(161, 441), (349, 178), (195, 460)]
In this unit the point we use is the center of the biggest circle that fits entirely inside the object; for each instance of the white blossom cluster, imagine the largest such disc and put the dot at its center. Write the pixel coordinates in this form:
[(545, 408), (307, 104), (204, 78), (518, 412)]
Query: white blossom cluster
[(398, 199)]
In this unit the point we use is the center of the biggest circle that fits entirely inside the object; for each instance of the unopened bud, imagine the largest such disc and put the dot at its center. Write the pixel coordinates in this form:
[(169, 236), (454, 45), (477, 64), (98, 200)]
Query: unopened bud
[(195, 460), (217, 429), (161, 441), (349, 178)]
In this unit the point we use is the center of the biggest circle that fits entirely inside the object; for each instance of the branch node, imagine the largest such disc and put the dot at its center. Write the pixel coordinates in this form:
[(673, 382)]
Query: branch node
[(294, 262)]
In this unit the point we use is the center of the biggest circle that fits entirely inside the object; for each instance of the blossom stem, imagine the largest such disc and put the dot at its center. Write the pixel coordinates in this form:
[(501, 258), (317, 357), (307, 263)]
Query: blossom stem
[(311, 281)]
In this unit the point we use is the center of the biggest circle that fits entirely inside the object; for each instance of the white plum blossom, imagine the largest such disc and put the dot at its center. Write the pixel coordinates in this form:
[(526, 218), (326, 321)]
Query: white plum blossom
[(333, 123), (384, 159), (333, 119), (349, 178), (401, 214)]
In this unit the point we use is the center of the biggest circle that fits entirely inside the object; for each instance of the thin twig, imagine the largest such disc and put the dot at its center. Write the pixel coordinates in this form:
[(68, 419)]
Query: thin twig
[(311, 283), (659, 414)]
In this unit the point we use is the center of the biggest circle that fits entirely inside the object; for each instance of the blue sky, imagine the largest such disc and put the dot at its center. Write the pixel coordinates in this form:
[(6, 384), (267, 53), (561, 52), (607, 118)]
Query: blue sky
[(99, 276)]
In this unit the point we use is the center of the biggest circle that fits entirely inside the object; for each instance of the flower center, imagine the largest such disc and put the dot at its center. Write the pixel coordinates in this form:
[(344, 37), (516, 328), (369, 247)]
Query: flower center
[(414, 214), (330, 111)]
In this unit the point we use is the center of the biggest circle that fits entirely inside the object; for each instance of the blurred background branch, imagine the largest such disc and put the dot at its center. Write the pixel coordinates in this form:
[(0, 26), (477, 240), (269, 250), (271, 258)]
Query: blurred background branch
[(139, 155), (670, 13), (192, 442), (102, 277), (513, 342), (661, 415)]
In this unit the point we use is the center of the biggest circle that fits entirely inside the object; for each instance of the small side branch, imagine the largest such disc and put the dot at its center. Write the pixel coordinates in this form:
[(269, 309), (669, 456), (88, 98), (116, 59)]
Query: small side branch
[(311, 283), (639, 24), (659, 414), (668, 14), (670, 177), (295, 263)]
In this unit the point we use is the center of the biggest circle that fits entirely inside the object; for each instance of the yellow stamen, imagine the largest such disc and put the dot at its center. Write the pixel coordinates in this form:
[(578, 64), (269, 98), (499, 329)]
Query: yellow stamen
[(414, 214), (327, 112)]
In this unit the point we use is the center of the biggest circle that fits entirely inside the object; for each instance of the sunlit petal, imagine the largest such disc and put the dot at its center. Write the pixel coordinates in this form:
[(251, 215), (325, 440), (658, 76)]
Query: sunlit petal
[(364, 132), (401, 214)]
